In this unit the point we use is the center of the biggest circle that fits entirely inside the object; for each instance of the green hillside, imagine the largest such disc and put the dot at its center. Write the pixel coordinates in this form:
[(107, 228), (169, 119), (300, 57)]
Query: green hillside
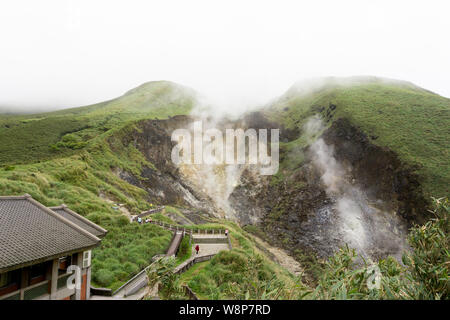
[(69, 156), (409, 120), (64, 157), (30, 138)]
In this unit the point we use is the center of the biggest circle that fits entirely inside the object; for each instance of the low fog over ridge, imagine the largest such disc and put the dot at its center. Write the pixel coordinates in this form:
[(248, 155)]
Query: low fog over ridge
[(234, 105)]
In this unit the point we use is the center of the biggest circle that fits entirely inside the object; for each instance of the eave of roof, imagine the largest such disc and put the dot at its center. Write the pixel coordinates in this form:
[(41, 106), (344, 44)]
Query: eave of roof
[(57, 216), (80, 218)]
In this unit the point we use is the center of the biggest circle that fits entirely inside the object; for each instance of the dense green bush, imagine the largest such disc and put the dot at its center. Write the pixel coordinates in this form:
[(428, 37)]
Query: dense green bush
[(161, 273), (429, 263), (126, 250), (185, 250), (71, 141), (239, 274), (104, 277)]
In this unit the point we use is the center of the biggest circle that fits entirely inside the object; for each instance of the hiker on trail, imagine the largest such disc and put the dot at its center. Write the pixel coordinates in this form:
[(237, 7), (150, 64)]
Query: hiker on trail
[(197, 248), (226, 233), (139, 220)]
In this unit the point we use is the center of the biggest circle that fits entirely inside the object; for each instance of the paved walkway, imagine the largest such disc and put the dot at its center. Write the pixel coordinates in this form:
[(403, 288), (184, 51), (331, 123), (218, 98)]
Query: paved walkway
[(209, 248)]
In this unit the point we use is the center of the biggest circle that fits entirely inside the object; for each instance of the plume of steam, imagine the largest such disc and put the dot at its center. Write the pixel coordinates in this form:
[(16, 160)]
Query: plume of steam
[(215, 177), (361, 225)]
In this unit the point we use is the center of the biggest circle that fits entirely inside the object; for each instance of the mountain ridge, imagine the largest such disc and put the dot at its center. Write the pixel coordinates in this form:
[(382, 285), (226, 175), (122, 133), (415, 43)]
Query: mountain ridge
[(116, 152)]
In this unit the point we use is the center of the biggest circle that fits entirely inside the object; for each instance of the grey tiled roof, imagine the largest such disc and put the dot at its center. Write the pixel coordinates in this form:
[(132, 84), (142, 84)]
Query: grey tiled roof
[(31, 233), (79, 220)]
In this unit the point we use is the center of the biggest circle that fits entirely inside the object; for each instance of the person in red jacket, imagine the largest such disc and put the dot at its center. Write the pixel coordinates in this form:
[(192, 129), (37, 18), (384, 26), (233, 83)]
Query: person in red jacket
[(197, 248)]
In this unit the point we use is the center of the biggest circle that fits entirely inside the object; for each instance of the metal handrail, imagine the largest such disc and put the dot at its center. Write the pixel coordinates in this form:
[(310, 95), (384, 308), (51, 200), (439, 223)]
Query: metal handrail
[(134, 278), (191, 261), (187, 230)]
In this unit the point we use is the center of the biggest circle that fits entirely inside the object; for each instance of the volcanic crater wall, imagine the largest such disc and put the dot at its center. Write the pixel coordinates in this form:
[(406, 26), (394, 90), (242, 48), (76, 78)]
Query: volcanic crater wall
[(378, 170), (296, 212), (163, 181), (300, 212)]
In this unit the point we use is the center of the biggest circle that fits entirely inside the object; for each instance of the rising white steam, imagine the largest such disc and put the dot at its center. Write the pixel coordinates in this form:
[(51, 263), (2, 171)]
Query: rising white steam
[(214, 179), (216, 176), (361, 225)]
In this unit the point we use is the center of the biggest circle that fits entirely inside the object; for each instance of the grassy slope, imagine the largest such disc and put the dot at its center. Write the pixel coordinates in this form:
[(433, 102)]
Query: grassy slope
[(245, 272), (78, 180), (80, 169), (409, 120), (76, 174), (31, 138), (231, 274)]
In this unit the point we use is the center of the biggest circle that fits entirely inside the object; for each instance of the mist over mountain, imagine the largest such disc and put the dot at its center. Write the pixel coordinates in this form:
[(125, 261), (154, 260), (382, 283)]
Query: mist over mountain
[(211, 150), (360, 159)]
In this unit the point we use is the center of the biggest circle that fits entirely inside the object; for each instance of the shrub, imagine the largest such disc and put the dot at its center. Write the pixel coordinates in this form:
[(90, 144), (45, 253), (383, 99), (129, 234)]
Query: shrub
[(104, 277), (122, 220), (162, 272), (130, 268), (234, 260), (185, 250), (238, 274), (429, 263), (121, 275)]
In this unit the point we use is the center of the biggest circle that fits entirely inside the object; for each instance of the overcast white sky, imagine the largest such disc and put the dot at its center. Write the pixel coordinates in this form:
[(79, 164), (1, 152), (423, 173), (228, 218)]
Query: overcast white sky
[(65, 53)]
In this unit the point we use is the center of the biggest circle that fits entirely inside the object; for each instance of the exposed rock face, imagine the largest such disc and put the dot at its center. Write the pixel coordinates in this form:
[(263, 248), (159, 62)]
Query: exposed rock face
[(163, 182), (203, 187), (296, 213), (378, 170)]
